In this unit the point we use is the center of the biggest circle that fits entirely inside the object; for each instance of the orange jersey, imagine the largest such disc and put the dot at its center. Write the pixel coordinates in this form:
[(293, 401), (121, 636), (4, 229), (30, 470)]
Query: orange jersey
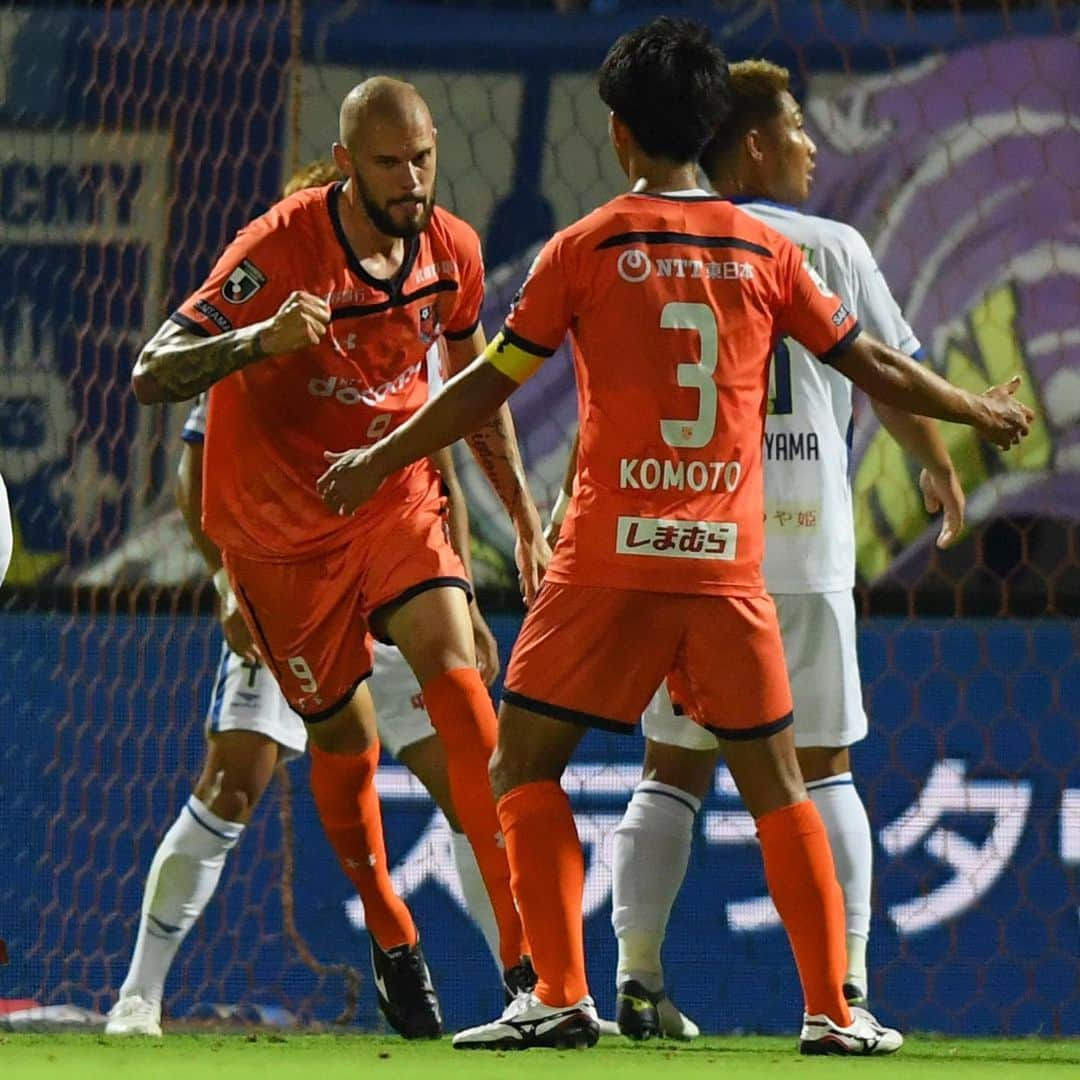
[(673, 304), (269, 423)]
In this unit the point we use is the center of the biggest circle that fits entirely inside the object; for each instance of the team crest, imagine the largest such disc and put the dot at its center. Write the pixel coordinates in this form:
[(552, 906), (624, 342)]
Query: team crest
[(243, 283), (430, 327)]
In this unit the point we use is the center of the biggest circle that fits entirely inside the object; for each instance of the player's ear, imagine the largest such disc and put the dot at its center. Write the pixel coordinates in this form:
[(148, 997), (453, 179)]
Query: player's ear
[(341, 159), (617, 131), (753, 144)]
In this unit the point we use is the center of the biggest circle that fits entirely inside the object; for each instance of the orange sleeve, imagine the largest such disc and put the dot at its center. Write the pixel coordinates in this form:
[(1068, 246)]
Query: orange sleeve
[(810, 311), (248, 283), (542, 311), (470, 299)]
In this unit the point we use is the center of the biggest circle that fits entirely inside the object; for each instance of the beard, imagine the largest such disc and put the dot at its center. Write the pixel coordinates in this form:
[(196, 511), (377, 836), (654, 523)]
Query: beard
[(382, 218)]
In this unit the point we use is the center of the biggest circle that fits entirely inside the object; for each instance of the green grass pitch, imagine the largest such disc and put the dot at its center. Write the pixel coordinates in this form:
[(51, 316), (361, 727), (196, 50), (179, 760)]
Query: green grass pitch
[(327, 1057)]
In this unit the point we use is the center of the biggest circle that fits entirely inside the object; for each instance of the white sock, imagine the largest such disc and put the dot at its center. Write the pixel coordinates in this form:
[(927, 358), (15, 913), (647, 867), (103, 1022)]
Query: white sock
[(848, 827), (475, 893), (182, 878), (650, 854)]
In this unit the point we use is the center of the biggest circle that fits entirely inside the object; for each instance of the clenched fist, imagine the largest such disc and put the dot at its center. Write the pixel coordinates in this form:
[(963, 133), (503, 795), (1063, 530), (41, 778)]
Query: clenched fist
[(301, 321)]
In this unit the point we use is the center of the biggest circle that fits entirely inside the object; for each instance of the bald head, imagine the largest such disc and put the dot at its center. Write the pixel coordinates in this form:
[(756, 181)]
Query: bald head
[(381, 102), (387, 154)]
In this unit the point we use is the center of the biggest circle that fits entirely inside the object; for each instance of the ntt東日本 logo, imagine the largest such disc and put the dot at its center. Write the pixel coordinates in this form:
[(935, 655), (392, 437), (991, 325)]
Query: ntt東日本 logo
[(243, 283), (634, 265)]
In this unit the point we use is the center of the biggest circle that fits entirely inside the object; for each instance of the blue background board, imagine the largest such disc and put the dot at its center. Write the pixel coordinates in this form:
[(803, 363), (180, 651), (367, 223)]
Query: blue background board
[(94, 771)]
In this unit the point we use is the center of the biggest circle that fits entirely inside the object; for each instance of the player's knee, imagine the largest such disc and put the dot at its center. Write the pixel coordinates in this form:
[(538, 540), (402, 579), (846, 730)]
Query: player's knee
[(227, 798), (234, 805), (341, 739), (821, 762), (501, 774)]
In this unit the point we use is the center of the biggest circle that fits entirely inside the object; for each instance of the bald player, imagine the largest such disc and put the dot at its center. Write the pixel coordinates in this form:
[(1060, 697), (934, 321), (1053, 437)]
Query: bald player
[(311, 332)]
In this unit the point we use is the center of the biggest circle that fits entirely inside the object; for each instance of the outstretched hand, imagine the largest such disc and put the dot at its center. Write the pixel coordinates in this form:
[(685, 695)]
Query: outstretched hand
[(1007, 420)]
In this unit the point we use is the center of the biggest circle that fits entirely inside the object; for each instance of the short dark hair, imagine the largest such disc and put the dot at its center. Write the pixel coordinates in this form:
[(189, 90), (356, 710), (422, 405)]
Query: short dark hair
[(668, 83), (756, 88)]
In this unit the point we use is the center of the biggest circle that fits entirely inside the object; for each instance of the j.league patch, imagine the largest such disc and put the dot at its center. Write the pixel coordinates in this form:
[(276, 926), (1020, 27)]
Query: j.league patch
[(243, 283)]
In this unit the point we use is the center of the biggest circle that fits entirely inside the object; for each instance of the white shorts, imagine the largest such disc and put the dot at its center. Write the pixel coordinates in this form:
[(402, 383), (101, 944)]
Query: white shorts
[(819, 645), (403, 719), (246, 698)]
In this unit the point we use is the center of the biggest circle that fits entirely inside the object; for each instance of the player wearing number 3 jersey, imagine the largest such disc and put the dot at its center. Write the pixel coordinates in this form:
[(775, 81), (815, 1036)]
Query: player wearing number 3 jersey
[(673, 300)]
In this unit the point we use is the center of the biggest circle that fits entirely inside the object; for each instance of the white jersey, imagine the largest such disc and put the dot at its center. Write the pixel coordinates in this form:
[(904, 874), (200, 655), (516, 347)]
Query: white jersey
[(810, 529)]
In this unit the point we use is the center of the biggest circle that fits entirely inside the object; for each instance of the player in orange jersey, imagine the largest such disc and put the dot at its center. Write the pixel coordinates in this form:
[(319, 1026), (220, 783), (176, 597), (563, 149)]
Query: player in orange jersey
[(313, 327), (673, 300)]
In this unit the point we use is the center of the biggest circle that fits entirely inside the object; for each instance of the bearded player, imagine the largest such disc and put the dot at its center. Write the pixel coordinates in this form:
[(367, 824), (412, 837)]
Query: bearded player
[(313, 326), (673, 300)]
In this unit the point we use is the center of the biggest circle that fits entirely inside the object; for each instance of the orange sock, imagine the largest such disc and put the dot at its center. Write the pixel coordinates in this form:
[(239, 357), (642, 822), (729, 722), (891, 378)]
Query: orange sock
[(548, 875), (344, 789), (802, 882), (461, 712)]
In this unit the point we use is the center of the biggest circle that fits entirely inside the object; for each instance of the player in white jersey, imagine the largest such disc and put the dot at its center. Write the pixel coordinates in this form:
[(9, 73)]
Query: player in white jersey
[(250, 730), (764, 160), (7, 534)]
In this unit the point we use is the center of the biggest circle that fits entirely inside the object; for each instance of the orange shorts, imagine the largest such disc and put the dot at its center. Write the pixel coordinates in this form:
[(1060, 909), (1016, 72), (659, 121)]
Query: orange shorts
[(596, 656), (311, 618)]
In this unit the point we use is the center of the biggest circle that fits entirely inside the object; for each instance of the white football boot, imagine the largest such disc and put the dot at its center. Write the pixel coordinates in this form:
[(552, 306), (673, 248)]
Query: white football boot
[(863, 1036), (134, 1015), (527, 1022)]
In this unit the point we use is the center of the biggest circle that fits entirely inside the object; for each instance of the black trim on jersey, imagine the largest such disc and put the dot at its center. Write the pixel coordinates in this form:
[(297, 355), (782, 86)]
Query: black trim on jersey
[(325, 714), (661, 237), (185, 322), (842, 345), (569, 716), (462, 335), (264, 644), (442, 285), (358, 311), (762, 731), (410, 593), (524, 344), (671, 196), (390, 286)]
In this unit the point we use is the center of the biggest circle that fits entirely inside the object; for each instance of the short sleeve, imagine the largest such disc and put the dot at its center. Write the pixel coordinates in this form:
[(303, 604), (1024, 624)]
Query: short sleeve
[(249, 282), (542, 311), (470, 260), (878, 311), (810, 311), (195, 424)]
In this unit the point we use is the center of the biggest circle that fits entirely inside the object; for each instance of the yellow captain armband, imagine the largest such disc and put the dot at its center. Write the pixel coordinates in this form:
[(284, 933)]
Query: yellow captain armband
[(515, 357)]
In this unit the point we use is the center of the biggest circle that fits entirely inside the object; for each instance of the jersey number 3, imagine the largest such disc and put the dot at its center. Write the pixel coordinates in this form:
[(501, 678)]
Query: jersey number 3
[(699, 431)]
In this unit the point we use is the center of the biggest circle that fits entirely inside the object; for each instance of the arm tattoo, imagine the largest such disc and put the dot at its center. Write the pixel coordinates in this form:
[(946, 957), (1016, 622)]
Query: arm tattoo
[(496, 451), (180, 364)]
